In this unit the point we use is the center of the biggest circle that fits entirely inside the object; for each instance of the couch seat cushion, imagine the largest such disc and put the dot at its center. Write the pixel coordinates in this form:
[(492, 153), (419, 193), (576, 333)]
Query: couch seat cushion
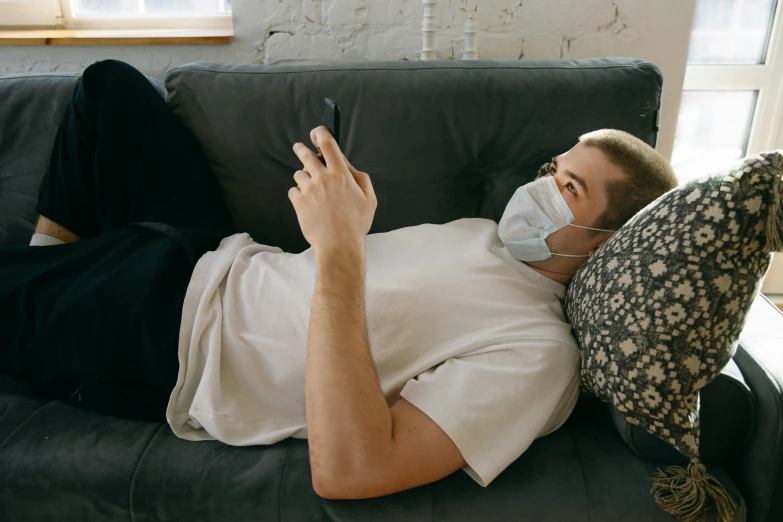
[(61, 463)]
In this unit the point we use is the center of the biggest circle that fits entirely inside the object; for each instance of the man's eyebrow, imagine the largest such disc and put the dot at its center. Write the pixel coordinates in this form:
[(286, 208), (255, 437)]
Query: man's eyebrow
[(580, 180)]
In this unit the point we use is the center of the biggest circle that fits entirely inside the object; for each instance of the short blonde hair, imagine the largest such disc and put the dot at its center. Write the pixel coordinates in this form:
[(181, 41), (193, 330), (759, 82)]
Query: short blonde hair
[(648, 174)]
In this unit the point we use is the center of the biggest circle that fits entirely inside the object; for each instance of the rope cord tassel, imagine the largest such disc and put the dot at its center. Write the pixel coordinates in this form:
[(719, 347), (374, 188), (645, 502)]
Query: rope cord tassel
[(692, 495)]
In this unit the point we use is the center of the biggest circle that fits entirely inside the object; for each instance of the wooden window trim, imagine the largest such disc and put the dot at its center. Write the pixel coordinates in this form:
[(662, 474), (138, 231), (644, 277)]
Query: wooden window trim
[(116, 37)]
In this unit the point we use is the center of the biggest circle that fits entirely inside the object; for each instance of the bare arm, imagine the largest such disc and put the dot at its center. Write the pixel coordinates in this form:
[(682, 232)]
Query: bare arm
[(348, 419), (359, 447)]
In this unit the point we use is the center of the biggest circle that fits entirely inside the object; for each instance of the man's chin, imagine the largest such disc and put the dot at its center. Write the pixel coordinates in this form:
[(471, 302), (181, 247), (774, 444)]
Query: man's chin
[(546, 264), (555, 267)]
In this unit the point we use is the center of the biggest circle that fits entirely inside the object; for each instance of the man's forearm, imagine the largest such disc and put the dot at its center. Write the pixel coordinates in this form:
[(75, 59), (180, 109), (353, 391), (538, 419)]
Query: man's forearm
[(348, 420)]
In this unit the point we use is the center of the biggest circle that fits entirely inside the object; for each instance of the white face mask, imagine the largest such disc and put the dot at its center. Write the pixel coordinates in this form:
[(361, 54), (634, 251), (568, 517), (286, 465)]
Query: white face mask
[(535, 211)]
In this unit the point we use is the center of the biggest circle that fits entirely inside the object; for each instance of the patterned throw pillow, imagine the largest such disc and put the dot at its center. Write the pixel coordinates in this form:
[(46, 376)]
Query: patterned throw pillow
[(658, 310)]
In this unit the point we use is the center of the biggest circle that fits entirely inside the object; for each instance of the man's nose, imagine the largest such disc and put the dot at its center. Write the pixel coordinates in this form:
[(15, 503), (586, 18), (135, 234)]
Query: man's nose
[(558, 182)]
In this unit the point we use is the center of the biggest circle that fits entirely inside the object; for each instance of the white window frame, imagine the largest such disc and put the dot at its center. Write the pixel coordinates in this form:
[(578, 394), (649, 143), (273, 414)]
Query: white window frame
[(39, 13), (767, 79), (178, 21), (766, 127), (30, 13)]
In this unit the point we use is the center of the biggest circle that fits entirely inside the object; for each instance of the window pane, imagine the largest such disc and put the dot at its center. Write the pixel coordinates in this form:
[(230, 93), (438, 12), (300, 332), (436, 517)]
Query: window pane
[(93, 8), (712, 131), (731, 31)]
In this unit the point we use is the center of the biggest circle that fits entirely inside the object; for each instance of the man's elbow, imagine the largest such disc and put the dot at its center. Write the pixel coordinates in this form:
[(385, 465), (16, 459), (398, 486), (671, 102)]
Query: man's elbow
[(324, 487), (332, 489), (344, 477), (329, 478), (341, 489), (327, 475)]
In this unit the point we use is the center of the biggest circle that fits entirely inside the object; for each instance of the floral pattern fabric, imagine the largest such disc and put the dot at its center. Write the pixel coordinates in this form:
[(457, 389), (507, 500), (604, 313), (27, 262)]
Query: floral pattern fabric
[(658, 309)]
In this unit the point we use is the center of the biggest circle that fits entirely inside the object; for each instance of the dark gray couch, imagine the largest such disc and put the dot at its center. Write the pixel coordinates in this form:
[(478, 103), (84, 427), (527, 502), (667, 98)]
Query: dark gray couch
[(441, 140)]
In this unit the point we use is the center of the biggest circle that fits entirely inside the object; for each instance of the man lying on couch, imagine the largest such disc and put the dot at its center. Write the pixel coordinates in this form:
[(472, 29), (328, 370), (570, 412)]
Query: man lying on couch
[(401, 356)]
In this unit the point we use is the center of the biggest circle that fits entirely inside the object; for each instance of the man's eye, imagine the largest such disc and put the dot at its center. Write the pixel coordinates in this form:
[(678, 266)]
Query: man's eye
[(571, 187), (552, 170)]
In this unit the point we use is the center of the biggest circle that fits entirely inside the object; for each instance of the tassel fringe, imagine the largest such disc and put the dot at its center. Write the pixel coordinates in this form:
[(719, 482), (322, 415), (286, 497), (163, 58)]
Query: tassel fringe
[(774, 229), (692, 495)]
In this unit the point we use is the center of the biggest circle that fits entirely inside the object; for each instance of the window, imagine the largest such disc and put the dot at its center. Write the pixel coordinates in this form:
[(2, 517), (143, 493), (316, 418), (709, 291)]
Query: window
[(733, 86), (731, 31), (137, 7), (712, 130), (732, 96), (116, 14)]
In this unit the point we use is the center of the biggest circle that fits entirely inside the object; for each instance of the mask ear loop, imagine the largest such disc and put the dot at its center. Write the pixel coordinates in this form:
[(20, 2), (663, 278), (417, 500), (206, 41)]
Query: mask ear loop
[(591, 228), (569, 255), (586, 228)]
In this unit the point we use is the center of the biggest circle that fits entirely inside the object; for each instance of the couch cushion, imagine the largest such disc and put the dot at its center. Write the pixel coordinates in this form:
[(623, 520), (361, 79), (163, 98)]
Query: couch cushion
[(97, 467), (31, 108), (658, 310), (441, 140), (61, 463)]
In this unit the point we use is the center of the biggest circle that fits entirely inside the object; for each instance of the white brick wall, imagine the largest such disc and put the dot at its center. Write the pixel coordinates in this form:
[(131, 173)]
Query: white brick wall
[(309, 31), (390, 30)]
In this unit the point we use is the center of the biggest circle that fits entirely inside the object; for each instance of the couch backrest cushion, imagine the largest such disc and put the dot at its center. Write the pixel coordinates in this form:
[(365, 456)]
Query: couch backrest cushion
[(441, 140), (31, 108)]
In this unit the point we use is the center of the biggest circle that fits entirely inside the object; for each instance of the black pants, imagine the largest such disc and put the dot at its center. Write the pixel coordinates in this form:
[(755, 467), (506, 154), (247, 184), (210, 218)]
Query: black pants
[(95, 323)]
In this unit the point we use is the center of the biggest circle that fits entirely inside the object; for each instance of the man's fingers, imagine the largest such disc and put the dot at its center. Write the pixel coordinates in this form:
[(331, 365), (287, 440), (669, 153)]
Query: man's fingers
[(353, 169), (302, 178), (310, 161), (294, 194), (314, 139), (324, 140), (363, 180)]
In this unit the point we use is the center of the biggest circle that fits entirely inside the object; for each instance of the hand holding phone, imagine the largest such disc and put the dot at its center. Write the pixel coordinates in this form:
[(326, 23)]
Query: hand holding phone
[(330, 211)]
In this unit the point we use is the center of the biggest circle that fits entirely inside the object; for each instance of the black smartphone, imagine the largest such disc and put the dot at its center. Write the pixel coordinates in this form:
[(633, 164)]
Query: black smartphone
[(330, 117)]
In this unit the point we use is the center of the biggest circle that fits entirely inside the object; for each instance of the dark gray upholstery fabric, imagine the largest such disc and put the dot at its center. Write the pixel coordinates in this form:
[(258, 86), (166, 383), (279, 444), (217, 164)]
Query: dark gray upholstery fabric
[(441, 140), (108, 467), (31, 107), (759, 467)]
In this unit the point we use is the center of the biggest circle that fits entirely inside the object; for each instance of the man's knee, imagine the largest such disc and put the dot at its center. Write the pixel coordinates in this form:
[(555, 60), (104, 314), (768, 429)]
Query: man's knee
[(110, 69), (111, 78)]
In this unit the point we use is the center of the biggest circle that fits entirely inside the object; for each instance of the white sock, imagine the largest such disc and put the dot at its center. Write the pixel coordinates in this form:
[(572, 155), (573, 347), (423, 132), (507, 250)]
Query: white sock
[(44, 240)]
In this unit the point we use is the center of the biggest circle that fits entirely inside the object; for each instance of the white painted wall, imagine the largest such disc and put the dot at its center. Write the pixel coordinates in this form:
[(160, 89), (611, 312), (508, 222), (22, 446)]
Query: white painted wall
[(311, 31)]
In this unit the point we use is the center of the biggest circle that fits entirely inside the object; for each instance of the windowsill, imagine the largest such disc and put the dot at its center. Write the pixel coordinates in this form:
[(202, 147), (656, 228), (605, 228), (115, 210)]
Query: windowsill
[(116, 37), (776, 299)]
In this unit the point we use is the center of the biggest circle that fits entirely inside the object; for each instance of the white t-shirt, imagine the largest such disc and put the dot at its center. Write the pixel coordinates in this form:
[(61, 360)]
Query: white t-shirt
[(469, 335)]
